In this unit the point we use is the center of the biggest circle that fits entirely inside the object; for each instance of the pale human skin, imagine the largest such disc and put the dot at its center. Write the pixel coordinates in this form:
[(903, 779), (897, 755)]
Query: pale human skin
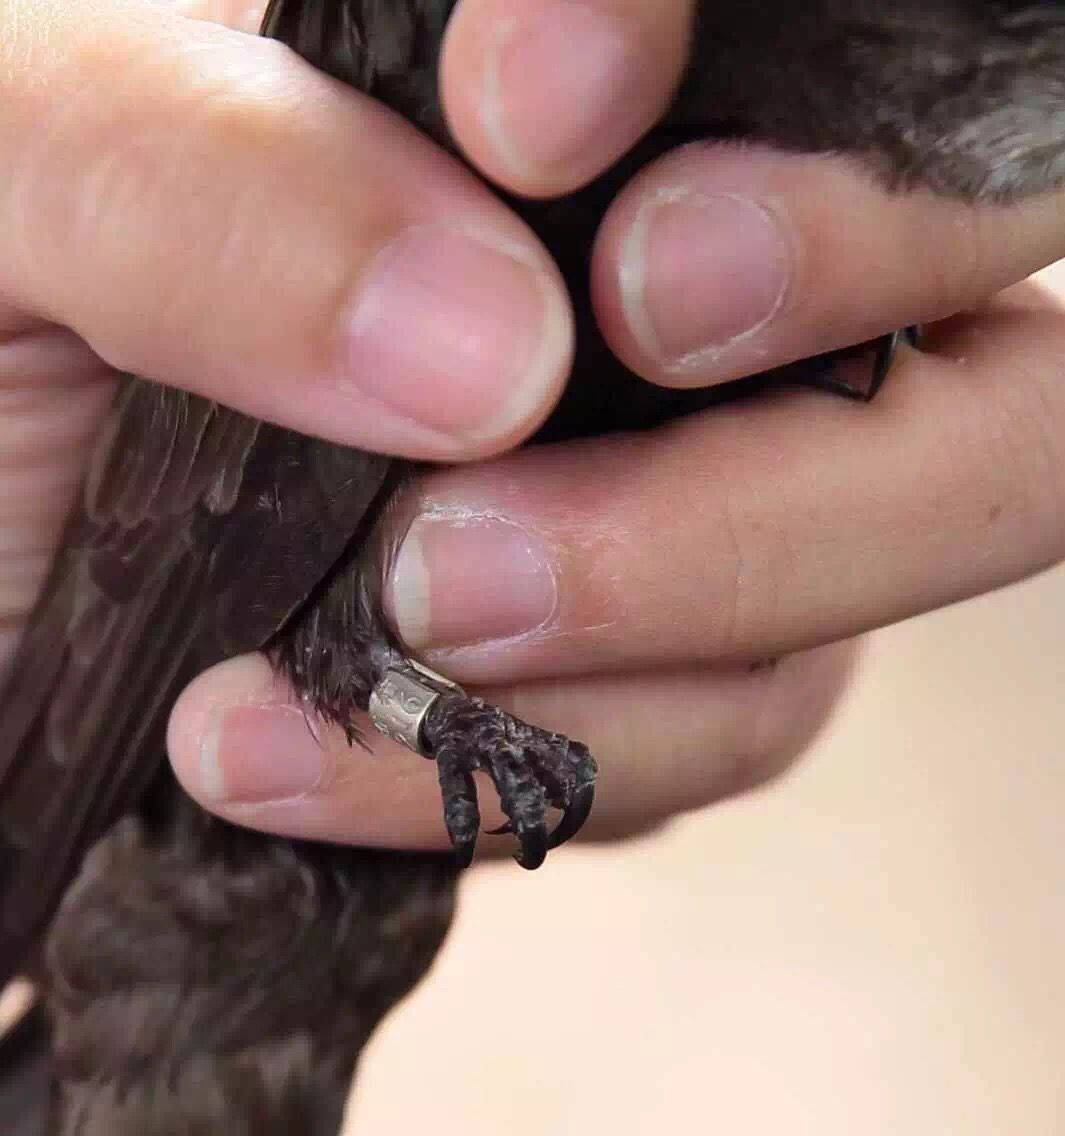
[(192, 204)]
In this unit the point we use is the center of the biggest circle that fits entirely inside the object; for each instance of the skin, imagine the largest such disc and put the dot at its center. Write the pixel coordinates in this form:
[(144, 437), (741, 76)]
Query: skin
[(149, 222)]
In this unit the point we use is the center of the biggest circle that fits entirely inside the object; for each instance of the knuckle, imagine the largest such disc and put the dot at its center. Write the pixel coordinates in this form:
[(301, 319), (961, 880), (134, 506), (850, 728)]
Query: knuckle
[(758, 559), (171, 165)]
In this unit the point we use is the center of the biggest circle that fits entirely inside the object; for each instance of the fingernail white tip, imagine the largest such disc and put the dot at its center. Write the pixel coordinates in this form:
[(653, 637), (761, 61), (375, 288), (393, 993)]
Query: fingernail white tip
[(212, 780), (410, 590), (491, 104)]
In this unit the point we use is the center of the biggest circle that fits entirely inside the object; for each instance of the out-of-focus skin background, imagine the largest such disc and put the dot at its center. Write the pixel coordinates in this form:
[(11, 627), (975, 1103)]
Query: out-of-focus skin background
[(874, 945)]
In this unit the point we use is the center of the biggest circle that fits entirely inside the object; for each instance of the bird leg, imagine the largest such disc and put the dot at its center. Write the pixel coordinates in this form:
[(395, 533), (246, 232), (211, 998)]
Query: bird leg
[(532, 769)]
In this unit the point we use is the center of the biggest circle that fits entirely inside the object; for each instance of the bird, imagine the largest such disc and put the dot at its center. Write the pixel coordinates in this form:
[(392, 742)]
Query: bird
[(197, 977)]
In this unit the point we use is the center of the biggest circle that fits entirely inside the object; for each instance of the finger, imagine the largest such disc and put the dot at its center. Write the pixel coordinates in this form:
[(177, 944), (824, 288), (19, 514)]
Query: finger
[(756, 528), (665, 743), (204, 208), (543, 95), (720, 261)]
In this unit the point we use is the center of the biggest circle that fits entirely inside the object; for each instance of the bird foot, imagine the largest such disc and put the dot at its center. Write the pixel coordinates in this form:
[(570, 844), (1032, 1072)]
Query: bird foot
[(859, 372), (532, 769)]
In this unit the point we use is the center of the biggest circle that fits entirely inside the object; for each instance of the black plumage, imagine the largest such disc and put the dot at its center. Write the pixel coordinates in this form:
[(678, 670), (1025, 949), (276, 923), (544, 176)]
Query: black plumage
[(201, 977)]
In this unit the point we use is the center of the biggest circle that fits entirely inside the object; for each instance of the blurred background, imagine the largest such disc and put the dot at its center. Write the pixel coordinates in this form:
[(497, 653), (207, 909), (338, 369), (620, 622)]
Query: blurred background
[(872, 945)]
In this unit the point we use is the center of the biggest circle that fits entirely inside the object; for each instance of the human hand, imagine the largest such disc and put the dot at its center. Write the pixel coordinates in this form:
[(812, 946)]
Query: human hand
[(673, 712), (621, 589), (202, 207)]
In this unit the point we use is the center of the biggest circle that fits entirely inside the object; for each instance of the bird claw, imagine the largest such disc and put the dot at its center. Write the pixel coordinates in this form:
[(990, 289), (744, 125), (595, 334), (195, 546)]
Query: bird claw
[(574, 815), (869, 380), (532, 847), (532, 770), (570, 823)]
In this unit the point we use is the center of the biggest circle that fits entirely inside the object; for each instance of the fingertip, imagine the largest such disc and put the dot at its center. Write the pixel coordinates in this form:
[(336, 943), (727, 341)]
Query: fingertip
[(459, 336), (721, 260), (193, 732), (245, 748), (696, 260), (543, 96), (699, 275)]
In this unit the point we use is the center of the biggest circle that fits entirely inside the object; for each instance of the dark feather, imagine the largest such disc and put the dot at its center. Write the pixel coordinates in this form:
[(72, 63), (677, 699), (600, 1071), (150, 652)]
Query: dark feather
[(201, 531), (25, 1074), (965, 97)]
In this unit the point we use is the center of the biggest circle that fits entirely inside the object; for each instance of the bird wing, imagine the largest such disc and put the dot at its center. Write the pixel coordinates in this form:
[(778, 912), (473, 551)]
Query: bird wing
[(197, 533)]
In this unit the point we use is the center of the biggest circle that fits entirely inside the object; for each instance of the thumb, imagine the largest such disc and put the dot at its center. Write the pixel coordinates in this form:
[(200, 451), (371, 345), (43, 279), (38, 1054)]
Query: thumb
[(204, 208)]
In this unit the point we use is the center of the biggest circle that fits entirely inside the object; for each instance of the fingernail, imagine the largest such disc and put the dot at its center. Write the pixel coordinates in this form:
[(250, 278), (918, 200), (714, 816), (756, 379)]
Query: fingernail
[(461, 581), (566, 84), (700, 272), (457, 335), (253, 754)]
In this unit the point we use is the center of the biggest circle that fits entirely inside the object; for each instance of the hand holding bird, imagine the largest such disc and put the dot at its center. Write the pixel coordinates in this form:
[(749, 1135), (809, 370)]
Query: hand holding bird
[(391, 908)]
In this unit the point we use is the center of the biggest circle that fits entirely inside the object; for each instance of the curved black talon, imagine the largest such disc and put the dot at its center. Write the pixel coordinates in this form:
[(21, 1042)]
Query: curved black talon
[(464, 851), (573, 817), (532, 847), (886, 348), (825, 374), (570, 823)]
